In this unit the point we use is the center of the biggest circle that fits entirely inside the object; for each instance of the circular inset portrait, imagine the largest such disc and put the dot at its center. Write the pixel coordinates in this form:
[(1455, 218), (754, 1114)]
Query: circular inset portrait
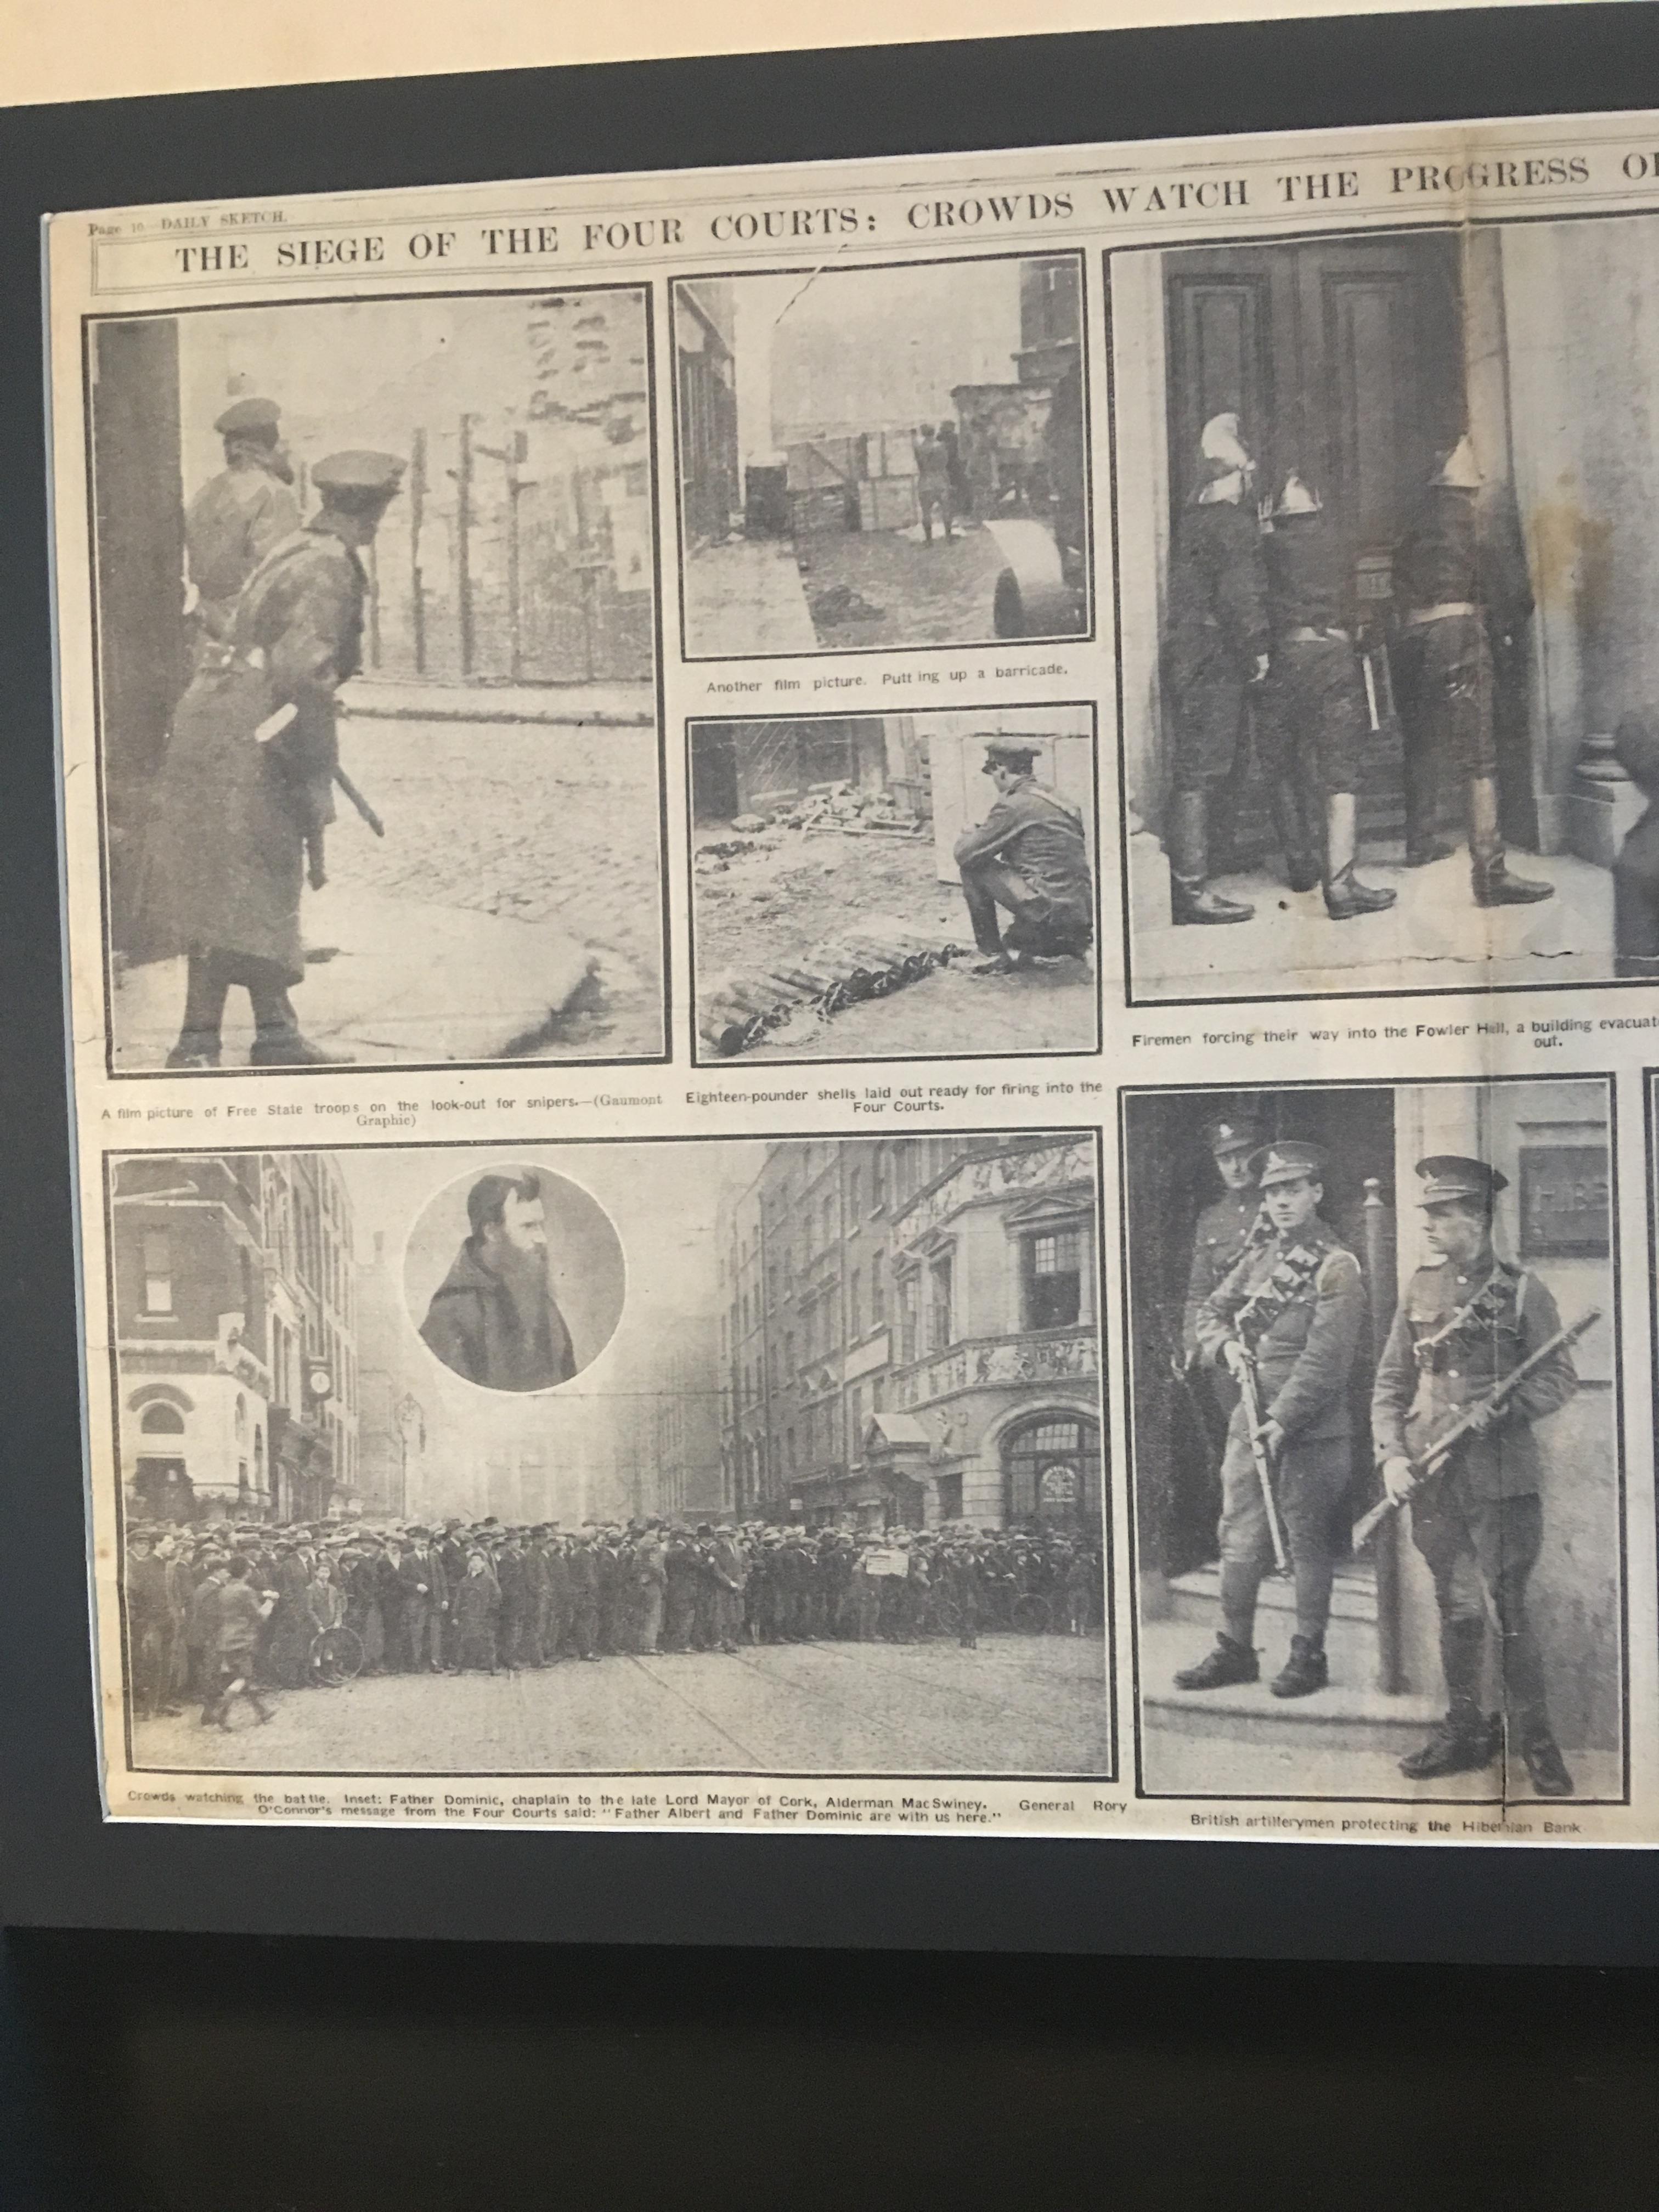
[(514, 1277)]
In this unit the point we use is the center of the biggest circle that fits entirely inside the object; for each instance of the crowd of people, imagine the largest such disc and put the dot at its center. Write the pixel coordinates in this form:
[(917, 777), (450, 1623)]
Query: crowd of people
[(221, 1612)]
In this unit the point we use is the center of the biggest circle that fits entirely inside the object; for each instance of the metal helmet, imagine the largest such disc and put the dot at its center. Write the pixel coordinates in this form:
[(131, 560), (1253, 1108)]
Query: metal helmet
[(1219, 441), (1460, 471), (1297, 498)]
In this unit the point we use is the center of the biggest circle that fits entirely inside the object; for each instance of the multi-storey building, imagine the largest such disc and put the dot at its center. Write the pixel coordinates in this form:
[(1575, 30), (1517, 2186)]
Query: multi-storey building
[(912, 1335), (678, 1469), (235, 1335), (311, 1293)]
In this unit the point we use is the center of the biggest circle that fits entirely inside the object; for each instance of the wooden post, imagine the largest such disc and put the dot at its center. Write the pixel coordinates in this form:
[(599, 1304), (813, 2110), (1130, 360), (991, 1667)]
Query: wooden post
[(1378, 1261), (416, 511), (463, 543)]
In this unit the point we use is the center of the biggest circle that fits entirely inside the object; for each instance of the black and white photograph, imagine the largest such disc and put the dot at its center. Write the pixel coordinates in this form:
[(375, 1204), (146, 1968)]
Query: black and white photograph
[(895, 886), (1385, 577), (376, 617), (874, 458), (1377, 1440), (770, 1456)]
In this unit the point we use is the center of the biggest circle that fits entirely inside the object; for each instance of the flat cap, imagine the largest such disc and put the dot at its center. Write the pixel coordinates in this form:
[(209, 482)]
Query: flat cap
[(1232, 1132), (359, 470), (260, 417), (1286, 1163), (1451, 1174)]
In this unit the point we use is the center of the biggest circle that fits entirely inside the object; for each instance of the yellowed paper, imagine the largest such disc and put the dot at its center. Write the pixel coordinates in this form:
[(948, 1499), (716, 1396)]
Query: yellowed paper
[(775, 881)]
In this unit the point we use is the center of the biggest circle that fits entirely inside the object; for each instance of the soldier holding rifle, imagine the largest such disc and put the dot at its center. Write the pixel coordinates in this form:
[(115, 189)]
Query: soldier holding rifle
[(1465, 1323), (247, 786), (1291, 1316)]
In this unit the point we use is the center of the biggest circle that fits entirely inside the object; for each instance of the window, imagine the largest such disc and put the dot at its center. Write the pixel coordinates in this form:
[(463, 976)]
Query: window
[(877, 1289), (161, 1421), (158, 1274), (855, 1196), (855, 1304), (789, 1354), (829, 1222), (938, 1288), (909, 1306), (1054, 1280), (878, 1180)]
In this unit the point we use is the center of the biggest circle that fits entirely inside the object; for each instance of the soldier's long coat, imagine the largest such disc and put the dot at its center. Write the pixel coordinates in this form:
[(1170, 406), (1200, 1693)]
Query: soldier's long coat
[(226, 852)]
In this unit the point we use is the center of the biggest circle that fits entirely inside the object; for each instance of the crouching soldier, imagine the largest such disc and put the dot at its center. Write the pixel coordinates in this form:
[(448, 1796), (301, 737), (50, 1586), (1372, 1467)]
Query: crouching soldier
[(1294, 1310), (1465, 1321), (1315, 719), (1030, 857)]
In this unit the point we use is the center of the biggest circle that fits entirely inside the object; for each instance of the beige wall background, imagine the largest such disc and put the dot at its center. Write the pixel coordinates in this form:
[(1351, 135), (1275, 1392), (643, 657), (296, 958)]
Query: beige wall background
[(55, 50)]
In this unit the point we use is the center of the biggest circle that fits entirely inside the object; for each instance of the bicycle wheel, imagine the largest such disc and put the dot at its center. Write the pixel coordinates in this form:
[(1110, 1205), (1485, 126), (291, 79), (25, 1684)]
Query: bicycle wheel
[(1030, 1615), (947, 1617), (338, 1655)]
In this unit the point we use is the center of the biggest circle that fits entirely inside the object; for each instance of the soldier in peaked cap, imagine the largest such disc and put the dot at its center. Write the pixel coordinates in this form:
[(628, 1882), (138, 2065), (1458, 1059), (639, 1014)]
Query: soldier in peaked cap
[(235, 811), (1466, 1321), (239, 515), (1315, 719), (1224, 1225), (1030, 857), (1215, 650), (1463, 589), (1295, 1305)]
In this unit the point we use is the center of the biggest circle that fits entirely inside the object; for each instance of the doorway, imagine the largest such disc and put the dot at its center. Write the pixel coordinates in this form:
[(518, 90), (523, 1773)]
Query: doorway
[(1344, 361)]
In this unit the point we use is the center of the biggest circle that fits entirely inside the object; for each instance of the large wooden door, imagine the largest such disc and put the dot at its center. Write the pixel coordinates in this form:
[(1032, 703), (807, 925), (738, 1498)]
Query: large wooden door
[(1343, 361)]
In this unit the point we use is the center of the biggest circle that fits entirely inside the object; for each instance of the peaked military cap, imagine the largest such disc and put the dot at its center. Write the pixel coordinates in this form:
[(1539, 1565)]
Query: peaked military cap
[(258, 417), (1232, 1132), (359, 470), (1007, 752), (1450, 1175), (1286, 1163)]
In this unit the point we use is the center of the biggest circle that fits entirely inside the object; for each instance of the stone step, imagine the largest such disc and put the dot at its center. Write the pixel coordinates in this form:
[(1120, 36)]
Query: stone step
[(1356, 1714), (1350, 1638)]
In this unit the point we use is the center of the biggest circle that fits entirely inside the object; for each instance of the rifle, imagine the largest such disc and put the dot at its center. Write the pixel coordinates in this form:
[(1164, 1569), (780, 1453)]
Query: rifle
[(272, 726), (1250, 1394), (1494, 1401)]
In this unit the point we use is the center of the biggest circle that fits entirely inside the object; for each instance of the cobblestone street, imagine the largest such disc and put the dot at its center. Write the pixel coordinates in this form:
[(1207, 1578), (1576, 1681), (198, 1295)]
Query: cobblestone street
[(533, 822), (1018, 1704)]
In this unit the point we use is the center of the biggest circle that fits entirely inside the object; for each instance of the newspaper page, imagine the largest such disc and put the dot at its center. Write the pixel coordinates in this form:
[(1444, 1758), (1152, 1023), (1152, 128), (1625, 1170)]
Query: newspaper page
[(862, 966)]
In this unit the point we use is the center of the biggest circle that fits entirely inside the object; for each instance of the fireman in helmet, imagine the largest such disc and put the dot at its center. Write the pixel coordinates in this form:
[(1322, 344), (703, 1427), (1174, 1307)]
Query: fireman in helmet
[(1216, 649), (1459, 593), (1315, 719)]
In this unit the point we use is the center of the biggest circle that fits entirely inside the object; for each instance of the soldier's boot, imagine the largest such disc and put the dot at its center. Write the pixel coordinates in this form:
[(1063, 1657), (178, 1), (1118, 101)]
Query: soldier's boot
[(1191, 899), (1301, 855), (1306, 1670), (1423, 848), (1544, 1765), (1344, 895), (278, 1041), (1219, 1669), (1492, 882), (1468, 1738), (205, 990)]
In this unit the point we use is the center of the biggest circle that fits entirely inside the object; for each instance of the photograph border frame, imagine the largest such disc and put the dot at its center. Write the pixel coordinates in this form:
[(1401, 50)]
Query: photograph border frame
[(1615, 1321), (702, 1061), (110, 1156), (1175, 245), (1090, 635), (645, 289)]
